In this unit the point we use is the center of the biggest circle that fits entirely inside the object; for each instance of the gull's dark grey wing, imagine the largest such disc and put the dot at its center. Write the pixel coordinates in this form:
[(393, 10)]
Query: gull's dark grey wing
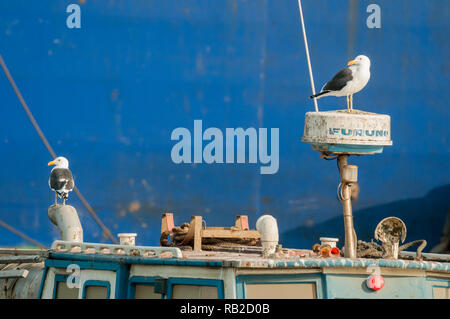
[(339, 80), (61, 180)]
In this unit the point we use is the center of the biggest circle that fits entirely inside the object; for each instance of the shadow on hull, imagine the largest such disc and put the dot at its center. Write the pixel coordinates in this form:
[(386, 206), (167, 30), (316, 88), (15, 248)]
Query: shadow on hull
[(424, 218)]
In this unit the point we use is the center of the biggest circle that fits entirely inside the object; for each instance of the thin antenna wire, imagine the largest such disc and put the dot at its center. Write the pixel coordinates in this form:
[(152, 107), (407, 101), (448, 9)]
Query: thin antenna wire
[(15, 231), (307, 55), (50, 149)]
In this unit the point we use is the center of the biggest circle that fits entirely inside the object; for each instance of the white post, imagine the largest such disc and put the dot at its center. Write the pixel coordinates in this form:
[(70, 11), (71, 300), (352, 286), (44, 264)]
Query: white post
[(66, 218)]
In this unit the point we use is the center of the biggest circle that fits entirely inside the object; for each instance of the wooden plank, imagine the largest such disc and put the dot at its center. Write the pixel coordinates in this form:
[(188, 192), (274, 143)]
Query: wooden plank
[(242, 222), (16, 273), (167, 223), (228, 233), (197, 224)]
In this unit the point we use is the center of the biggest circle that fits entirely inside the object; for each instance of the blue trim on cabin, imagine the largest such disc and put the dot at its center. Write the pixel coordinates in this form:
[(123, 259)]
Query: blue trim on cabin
[(437, 283), (114, 261), (438, 279), (122, 274), (58, 278), (63, 264), (317, 279), (136, 260), (149, 281), (195, 282), (99, 265), (101, 283), (41, 286)]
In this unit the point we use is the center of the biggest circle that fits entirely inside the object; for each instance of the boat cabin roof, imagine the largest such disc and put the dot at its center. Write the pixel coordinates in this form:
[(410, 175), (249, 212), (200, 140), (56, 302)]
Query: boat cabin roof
[(237, 257)]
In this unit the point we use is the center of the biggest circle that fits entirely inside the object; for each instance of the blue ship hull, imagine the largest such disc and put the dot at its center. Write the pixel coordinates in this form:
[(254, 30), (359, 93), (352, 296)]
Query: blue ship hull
[(108, 96)]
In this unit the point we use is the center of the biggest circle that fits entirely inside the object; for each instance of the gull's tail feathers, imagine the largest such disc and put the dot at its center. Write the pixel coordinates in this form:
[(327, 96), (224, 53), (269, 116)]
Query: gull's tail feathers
[(320, 94)]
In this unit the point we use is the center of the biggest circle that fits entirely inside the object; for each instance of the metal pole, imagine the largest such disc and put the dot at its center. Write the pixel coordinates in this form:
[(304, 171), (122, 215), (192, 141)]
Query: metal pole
[(307, 55), (18, 233), (350, 234)]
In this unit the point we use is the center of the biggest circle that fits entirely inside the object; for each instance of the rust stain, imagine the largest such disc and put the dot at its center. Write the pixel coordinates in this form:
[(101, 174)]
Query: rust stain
[(134, 206)]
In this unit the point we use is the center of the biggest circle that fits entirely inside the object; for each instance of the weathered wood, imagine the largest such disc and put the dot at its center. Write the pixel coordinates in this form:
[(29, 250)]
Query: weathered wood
[(167, 223), (16, 273), (242, 222), (229, 233), (196, 232), (197, 224)]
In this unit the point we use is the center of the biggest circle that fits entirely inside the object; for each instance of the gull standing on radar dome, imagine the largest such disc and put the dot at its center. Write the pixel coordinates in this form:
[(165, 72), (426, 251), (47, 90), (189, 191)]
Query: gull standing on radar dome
[(61, 180), (348, 81)]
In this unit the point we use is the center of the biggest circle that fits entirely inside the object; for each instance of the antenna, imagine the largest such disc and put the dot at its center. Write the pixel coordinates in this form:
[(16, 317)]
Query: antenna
[(307, 55)]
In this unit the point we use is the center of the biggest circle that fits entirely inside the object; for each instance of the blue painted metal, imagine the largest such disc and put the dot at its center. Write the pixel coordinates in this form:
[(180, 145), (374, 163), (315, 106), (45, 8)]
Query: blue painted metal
[(117, 259), (44, 277), (102, 283), (194, 281), (139, 280), (83, 264), (137, 70), (123, 273)]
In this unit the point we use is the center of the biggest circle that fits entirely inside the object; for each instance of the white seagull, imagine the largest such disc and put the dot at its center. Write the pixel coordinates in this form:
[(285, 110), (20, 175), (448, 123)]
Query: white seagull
[(61, 180), (348, 81)]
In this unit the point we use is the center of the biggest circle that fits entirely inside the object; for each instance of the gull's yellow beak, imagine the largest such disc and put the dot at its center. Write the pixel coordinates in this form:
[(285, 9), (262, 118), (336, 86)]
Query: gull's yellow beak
[(351, 62), (51, 163)]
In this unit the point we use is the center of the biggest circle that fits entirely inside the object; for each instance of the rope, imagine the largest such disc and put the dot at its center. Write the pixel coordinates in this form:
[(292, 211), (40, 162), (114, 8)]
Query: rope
[(307, 55), (50, 149), (422, 243), (374, 250), (18, 233), (179, 234)]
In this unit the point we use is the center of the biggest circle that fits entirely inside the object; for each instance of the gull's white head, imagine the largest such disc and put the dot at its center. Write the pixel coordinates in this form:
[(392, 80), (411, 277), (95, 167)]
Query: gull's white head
[(360, 60), (60, 162)]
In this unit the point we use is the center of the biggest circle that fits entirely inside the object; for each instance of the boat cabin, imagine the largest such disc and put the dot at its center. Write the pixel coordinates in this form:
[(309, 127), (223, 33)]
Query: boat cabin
[(168, 272)]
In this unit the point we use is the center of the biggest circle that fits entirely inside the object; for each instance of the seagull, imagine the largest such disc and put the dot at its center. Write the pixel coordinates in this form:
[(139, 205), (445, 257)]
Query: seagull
[(61, 180), (348, 81)]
